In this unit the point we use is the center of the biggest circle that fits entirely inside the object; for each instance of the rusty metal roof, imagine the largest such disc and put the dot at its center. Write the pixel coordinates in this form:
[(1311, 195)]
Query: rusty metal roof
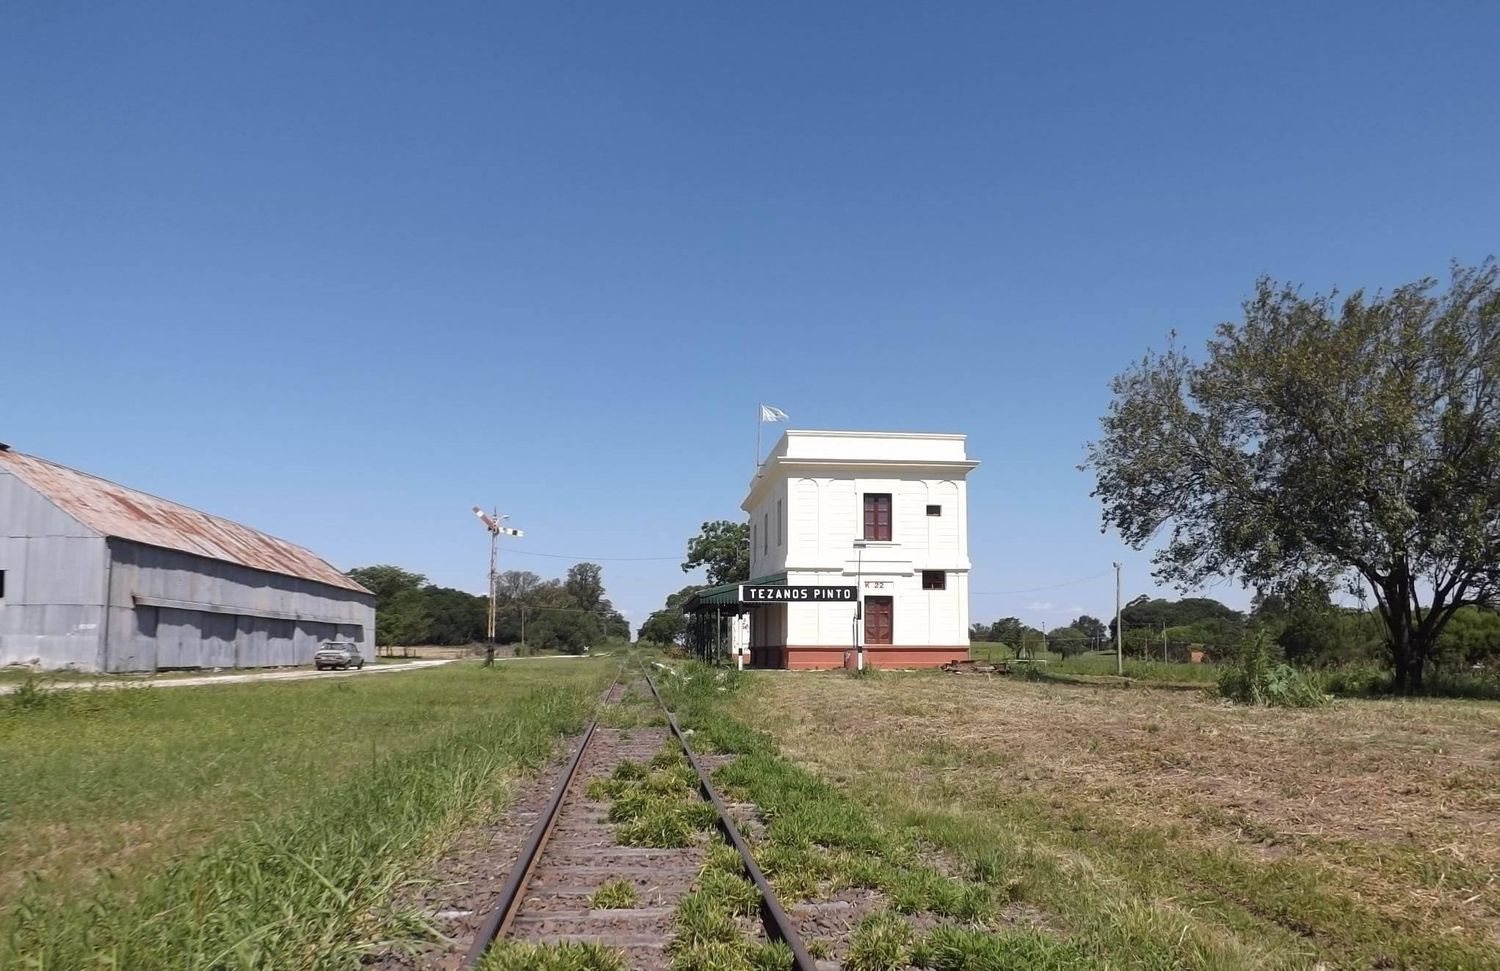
[(113, 510)]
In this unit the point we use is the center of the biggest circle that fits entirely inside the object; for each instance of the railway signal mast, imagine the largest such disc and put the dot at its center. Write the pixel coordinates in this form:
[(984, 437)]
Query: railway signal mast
[(492, 523)]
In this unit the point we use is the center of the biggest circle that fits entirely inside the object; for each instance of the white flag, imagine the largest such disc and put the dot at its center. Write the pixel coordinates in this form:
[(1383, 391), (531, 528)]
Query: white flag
[(767, 413)]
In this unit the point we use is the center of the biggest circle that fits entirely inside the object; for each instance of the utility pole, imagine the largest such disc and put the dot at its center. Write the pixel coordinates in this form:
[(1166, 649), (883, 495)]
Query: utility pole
[(1119, 631), (859, 604), (1164, 642)]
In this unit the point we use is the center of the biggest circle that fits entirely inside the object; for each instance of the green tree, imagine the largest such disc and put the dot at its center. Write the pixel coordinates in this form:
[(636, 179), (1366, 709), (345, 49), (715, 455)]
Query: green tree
[(1309, 628), (665, 626), (1068, 641), (1153, 613), (613, 623), (404, 620), (585, 589), (1092, 628), (569, 630), (585, 584), (1471, 637), (452, 616), (386, 581), (723, 549), (517, 587), (1357, 440), (1007, 630), (399, 615)]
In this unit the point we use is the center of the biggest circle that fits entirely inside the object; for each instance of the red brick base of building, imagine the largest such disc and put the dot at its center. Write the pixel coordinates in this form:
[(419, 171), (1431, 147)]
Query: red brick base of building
[(803, 657)]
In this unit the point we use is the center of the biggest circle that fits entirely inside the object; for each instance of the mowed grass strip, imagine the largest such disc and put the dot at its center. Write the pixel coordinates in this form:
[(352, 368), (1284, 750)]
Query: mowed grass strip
[(256, 825), (1095, 664), (1160, 829)]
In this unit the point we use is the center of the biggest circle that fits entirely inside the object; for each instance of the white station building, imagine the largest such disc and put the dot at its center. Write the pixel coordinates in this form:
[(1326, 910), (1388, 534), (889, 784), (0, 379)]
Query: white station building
[(886, 513)]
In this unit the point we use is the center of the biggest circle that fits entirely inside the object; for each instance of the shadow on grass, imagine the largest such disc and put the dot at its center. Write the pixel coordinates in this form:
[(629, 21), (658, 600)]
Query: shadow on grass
[(1114, 681)]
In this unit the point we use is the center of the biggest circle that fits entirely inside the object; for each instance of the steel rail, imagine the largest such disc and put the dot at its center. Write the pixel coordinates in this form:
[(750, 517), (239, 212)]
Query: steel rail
[(777, 922), (499, 919)]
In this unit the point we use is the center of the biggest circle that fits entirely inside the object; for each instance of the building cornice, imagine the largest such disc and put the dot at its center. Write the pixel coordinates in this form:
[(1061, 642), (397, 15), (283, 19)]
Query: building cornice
[(845, 433), (777, 468)]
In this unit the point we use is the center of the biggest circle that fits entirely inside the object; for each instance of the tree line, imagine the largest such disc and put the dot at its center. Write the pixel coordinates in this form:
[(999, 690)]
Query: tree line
[(567, 614), (1303, 625), (1083, 634)]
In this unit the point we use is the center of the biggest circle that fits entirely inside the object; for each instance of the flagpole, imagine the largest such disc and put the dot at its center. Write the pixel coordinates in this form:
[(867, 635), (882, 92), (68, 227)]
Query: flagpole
[(750, 552), (758, 422)]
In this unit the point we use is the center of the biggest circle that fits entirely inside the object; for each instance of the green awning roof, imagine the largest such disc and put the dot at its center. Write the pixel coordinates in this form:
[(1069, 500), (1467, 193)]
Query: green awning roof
[(727, 594)]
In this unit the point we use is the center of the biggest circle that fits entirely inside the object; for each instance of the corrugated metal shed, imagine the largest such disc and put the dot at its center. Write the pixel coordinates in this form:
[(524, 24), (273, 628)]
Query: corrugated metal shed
[(113, 510)]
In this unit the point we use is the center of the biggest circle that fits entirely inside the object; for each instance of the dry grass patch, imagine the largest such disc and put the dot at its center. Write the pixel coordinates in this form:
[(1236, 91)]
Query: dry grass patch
[(1292, 817)]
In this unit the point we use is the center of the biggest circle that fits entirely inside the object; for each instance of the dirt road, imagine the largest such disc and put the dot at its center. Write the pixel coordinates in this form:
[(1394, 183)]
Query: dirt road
[(198, 681), (298, 674)]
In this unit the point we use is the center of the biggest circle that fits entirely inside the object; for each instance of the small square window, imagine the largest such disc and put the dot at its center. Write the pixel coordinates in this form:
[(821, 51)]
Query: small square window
[(934, 510), (934, 580)]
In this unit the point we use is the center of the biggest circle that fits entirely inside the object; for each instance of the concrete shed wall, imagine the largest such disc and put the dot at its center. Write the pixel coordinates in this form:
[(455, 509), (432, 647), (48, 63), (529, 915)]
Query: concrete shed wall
[(54, 582), (174, 610)]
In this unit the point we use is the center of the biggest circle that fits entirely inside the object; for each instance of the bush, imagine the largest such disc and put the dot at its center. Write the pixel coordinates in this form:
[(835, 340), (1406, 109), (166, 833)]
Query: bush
[(1255, 679), (1372, 680), (1356, 680), (1479, 685)]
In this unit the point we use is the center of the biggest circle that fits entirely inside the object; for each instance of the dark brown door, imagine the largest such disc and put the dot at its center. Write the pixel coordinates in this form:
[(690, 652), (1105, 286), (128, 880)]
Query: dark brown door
[(878, 617)]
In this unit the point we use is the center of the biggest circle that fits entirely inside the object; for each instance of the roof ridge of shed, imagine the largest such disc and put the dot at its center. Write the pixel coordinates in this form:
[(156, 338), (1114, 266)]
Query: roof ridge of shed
[(153, 532)]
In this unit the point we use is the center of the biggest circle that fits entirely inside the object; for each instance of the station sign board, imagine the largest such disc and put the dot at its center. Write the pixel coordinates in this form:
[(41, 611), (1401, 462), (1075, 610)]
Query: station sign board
[(761, 593)]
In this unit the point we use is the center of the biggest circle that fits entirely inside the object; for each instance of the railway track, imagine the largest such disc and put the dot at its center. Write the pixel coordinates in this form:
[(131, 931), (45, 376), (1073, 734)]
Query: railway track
[(571, 852)]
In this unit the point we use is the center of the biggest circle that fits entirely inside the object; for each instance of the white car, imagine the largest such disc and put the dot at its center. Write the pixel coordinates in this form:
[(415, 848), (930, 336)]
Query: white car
[(340, 656)]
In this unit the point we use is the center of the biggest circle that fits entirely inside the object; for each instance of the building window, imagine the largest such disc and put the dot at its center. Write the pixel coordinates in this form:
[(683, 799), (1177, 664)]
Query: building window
[(765, 532), (878, 516), (2, 584), (780, 529), (934, 580), (934, 510)]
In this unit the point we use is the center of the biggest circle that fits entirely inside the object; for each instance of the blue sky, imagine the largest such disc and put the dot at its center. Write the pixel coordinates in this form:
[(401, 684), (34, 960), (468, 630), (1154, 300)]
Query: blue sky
[(341, 271)]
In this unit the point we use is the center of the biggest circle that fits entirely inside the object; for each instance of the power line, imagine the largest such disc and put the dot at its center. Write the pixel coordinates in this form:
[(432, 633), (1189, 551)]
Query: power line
[(1050, 586), (517, 551)]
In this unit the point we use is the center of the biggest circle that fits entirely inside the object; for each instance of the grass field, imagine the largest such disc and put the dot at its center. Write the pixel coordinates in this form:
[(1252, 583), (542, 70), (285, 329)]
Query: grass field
[(254, 825), (1096, 665), (1164, 829)]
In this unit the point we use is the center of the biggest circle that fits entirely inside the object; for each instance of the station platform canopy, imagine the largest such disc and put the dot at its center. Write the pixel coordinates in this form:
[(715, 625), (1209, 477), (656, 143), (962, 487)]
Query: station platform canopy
[(711, 610), (725, 598)]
